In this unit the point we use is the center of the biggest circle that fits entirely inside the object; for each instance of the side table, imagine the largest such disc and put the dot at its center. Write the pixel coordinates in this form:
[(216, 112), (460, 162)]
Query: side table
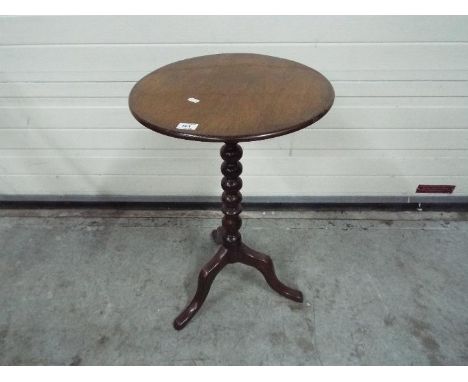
[(231, 98)]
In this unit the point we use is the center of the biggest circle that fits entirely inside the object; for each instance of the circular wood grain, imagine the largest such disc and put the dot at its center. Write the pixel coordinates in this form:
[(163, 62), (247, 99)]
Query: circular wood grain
[(241, 97)]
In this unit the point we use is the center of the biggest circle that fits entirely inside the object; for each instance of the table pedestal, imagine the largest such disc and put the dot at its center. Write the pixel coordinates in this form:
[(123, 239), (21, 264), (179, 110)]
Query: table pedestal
[(232, 249)]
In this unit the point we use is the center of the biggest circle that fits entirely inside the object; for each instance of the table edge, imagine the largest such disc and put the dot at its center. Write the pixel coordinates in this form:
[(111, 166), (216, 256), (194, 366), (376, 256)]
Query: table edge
[(231, 138)]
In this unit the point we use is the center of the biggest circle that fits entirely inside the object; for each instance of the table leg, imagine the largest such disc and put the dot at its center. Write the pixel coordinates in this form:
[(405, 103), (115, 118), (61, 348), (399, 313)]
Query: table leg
[(231, 249), (217, 235), (205, 279), (264, 264)]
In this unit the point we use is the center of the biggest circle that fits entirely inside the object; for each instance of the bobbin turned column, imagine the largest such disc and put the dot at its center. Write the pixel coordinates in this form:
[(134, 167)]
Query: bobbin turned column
[(231, 168)]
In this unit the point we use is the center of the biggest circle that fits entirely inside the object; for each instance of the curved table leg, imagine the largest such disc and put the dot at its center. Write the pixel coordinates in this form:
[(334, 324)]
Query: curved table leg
[(264, 264), (205, 279), (217, 235)]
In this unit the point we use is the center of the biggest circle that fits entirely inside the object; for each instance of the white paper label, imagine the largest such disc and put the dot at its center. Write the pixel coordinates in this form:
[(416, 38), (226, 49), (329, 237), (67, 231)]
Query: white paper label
[(187, 126)]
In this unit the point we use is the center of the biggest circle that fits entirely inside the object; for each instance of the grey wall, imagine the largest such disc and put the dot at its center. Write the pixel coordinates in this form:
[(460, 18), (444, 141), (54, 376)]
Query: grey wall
[(400, 117)]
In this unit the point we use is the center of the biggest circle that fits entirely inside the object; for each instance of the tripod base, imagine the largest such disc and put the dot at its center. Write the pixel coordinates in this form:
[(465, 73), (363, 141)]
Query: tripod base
[(236, 254)]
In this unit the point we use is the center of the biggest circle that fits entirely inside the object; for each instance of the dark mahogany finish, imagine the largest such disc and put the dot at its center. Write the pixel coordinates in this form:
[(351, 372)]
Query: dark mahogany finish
[(231, 249), (231, 98), (242, 97)]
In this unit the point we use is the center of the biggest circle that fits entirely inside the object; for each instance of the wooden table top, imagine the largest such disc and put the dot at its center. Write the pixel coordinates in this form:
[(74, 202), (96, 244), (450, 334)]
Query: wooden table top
[(231, 97)]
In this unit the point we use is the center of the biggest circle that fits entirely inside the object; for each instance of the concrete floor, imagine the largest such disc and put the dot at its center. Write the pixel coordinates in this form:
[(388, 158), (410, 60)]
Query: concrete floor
[(101, 287)]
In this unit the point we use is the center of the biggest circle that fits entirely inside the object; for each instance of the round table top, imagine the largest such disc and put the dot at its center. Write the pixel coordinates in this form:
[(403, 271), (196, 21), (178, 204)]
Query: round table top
[(231, 97)]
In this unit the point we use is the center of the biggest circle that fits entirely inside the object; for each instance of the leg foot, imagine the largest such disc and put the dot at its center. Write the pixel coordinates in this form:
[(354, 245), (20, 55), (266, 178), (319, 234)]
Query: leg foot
[(217, 235), (205, 279), (264, 264)]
